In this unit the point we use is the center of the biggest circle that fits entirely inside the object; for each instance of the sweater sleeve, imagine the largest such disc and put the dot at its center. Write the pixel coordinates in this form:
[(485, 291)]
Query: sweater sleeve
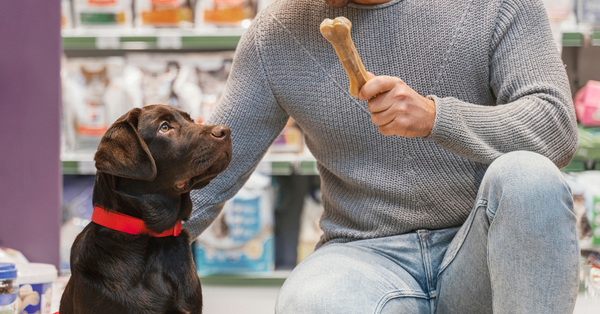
[(534, 110), (250, 109)]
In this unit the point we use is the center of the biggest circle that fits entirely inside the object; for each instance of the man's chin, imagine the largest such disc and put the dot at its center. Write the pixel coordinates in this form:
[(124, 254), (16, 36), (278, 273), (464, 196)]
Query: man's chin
[(338, 3)]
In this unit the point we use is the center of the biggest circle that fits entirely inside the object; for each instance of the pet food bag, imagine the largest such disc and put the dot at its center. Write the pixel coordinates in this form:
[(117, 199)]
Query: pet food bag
[(212, 71), (586, 190), (103, 13), (163, 79), (225, 12), (66, 18), (587, 103), (240, 240), (588, 12), (164, 13), (93, 98)]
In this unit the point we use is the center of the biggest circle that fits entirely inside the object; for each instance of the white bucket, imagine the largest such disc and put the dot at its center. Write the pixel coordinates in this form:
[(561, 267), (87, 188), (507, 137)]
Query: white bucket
[(35, 287)]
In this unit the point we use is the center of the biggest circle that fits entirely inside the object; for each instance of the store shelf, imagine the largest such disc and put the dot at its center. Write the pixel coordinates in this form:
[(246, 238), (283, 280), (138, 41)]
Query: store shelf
[(145, 39), (280, 164), (275, 278), (574, 39)]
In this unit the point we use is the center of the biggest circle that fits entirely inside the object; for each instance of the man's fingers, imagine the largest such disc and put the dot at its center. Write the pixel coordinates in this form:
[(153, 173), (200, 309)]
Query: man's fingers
[(388, 129), (383, 118), (377, 85)]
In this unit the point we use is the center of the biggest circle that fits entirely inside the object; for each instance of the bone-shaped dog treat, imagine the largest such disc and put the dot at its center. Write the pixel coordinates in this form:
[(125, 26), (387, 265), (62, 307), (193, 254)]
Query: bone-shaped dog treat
[(337, 32)]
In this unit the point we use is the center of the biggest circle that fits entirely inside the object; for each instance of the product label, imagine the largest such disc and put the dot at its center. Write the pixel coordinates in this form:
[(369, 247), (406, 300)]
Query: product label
[(101, 3), (8, 303), (36, 298), (165, 2)]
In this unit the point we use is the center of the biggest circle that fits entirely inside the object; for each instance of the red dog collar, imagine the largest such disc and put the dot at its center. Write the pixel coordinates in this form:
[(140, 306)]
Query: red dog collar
[(128, 224)]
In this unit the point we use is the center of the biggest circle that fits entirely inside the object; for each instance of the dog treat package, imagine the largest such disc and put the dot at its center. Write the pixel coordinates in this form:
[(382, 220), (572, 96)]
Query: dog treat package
[(93, 98), (212, 71), (66, 18), (103, 13), (163, 79), (164, 13), (241, 239), (290, 140), (226, 12), (35, 287)]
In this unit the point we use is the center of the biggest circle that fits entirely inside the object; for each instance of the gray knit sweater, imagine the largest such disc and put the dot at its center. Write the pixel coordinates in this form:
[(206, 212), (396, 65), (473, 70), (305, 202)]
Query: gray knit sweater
[(491, 67)]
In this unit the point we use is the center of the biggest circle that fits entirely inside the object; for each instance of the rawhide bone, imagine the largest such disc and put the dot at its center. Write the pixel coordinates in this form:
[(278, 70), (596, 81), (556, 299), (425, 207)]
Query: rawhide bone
[(337, 32)]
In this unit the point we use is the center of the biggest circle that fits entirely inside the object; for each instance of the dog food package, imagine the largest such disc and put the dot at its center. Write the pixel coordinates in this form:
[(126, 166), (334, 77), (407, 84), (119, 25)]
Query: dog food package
[(211, 73), (65, 14), (163, 79), (585, 187), (103, 13), (241, 239), (588, 12), (587, 104), (164, 13), (226, 12), (93, 97)]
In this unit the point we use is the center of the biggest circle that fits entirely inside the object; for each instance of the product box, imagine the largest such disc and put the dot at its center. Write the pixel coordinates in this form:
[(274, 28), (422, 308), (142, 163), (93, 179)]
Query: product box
[(164, 13), (290, 140), (212, 71), (587, 104), (585, 187), (588, 12), (240, 240), (103, 13)]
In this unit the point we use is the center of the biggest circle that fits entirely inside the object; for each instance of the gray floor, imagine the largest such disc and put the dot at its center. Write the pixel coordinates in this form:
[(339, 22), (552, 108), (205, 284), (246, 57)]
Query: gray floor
[(255, 300)]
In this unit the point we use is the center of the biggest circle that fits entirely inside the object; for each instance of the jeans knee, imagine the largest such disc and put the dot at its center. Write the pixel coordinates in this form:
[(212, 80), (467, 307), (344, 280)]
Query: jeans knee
[(523, 170)]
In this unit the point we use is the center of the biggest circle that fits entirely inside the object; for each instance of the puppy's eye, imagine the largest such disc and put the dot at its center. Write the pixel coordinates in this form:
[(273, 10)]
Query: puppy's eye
[(164, 128)]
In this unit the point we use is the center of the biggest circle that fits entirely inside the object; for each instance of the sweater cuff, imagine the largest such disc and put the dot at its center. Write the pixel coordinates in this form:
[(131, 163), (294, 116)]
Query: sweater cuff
[(442, 125)]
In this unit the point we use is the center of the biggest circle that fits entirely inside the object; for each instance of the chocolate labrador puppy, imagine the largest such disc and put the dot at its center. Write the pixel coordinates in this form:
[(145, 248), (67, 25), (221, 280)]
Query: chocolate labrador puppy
[(148, 162)]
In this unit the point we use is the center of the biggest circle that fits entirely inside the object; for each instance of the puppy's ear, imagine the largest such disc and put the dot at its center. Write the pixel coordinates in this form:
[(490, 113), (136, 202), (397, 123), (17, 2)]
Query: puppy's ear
[(122, 151)]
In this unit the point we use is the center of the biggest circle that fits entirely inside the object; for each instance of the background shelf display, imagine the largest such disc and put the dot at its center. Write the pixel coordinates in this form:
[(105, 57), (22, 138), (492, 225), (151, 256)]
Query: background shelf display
[(277, 164), (152, 39)]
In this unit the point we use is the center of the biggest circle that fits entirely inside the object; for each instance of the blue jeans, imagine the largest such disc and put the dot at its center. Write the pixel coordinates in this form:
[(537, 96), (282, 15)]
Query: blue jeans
[(517, 252)]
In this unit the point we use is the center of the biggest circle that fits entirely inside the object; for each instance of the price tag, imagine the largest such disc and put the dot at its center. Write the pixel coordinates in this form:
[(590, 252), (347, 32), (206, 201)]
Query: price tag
[(168, 42), (108, 42)]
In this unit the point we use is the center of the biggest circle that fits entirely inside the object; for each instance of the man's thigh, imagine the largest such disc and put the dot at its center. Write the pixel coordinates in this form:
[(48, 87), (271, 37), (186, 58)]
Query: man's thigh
[(348, 278)]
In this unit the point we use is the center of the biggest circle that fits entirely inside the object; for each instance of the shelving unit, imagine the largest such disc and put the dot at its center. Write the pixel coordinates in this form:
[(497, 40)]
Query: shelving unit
[(152, 39), (280, 164)]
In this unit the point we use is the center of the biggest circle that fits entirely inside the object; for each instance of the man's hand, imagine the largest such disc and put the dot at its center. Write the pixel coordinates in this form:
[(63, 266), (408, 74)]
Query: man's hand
[(398, 109)]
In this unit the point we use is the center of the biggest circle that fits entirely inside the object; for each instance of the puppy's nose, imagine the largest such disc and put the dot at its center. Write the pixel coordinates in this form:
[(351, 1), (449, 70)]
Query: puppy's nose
[(220, 132)]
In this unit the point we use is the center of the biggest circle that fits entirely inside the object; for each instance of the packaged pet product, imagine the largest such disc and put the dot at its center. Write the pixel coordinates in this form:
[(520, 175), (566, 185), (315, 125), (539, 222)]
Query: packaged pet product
[(65, 14), (35, 287), (9, 289), (164, 13), (163, 79), (587, 104), (104, 13), (290, 140), (588, 12), (240, 240), (94, 96), (588, 220), (310, 230), (212, 71), (226, 12)]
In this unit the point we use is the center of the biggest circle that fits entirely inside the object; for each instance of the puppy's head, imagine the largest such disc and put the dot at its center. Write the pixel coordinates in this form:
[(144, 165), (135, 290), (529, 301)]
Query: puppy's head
[(158, 150)]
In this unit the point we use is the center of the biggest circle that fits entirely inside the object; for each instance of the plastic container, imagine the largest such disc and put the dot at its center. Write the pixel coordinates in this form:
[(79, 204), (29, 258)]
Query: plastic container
[(9, 289), (35, 287)]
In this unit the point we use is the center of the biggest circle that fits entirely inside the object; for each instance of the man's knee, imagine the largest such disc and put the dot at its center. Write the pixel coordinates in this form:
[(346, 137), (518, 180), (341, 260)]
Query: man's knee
[(528, 172)]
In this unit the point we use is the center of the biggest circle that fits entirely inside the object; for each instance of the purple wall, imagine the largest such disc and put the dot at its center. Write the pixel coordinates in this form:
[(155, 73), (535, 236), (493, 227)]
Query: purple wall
[(30, 173)]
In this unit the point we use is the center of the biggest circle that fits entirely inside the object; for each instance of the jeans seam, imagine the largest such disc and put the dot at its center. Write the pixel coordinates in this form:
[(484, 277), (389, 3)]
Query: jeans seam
[(397, 294), (480, 203)]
